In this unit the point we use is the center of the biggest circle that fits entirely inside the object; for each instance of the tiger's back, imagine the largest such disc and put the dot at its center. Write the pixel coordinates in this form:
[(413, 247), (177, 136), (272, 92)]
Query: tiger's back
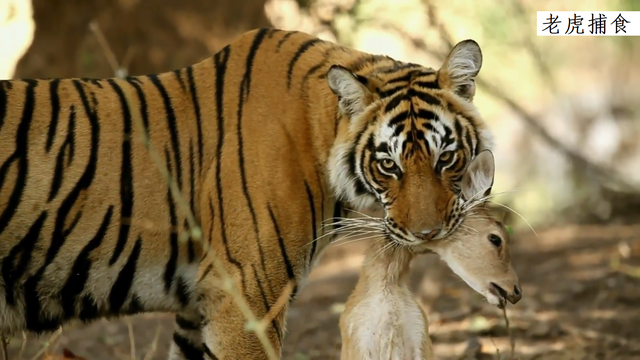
[(89, 227)]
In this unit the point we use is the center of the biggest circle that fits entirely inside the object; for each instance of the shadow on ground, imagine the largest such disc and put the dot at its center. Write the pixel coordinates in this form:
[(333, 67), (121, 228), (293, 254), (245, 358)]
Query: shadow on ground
[(575, 306)]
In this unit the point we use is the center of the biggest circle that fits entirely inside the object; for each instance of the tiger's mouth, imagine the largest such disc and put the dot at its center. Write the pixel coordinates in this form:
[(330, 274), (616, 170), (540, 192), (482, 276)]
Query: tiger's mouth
[(405, 238)]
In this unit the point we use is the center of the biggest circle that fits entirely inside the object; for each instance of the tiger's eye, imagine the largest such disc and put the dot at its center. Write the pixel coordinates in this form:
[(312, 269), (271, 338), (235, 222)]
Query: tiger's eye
[(446, 156), (388, 164)]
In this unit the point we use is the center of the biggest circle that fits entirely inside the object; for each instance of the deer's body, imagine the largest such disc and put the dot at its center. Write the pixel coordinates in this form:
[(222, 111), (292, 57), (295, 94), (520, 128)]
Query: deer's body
[(382, 319)]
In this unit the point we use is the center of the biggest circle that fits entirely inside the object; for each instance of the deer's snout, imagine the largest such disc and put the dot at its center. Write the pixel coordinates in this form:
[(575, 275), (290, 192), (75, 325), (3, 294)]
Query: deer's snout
[(513, 296)]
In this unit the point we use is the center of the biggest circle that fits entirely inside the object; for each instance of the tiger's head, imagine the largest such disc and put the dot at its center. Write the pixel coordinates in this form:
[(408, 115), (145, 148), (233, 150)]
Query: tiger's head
[(405, 138)]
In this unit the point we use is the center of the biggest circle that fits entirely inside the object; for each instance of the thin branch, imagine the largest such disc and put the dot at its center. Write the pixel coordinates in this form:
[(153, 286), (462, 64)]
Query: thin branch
[(5, 351), (195, 232)]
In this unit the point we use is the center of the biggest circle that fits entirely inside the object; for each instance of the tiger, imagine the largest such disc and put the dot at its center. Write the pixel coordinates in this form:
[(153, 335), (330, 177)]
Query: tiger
[(264, 142)]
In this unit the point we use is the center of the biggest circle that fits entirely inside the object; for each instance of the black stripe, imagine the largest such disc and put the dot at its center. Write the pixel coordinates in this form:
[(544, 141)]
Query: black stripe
[(366, 59), (33, 309), (403, 78), (427, 115), (186, 324), (4, 84), (206, 272), (314, 228), (426, 97), (360, 188), (196, 107), (283, 39), (20, 155), (283, 250), (427, 84), (382, 147), (301, 50), (85, 181), (179, 78), (95, 82), (122, 286), (395, 102), (135, 306), (24, 249), (135, 82), (188, 350), (212, 214), (172, 263), (447, 138), (273, 31), (220, 63), (182, 292), (55, 112), (314, 69), (398, 118), (245, 89), (458, 129), (79, 273), (126, 175), (58, 173), (191, 251), (263, 264), (369, 148), (173, 126), (209, 352), (398, 129), (391, 91), (89, 309)]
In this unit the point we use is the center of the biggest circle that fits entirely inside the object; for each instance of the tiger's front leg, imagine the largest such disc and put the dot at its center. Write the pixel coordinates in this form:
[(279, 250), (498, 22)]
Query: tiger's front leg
[(187, 341), (226, 337)]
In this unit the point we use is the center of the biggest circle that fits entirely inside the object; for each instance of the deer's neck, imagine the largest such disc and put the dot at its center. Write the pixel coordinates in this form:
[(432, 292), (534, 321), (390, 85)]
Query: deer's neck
[(382, 318), (386, 265)]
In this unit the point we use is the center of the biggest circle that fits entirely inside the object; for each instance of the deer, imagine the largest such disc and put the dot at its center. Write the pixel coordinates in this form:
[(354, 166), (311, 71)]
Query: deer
[(383, 320)]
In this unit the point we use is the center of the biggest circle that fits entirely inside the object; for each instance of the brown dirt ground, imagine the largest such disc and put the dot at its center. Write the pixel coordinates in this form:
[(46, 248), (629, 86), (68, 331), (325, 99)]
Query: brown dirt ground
[(575, 306)]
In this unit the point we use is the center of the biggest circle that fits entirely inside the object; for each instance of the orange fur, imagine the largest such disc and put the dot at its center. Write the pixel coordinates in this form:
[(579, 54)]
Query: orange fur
[(260, 145)]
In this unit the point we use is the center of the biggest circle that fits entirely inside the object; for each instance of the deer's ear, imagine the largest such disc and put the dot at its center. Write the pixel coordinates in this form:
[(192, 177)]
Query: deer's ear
[(477, 180)]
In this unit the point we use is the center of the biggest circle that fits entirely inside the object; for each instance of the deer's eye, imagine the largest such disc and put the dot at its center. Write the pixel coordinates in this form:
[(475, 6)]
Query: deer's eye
[(495, 240)]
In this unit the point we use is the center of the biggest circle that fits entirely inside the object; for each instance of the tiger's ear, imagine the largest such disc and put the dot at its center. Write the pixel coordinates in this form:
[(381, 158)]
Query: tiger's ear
[(351, 89), (460, 69), (477, 180)]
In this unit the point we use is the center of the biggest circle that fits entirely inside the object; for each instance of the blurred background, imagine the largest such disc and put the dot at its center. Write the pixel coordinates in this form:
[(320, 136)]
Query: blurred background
[(565, 112)]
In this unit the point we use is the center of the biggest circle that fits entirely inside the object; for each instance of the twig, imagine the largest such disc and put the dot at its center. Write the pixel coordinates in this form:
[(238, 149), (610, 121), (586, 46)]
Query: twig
[(132, 341), (5, 351), (23, 346), (55, 335), (280, 303), (600, 171), (195, 232), (118, 70), (154, 344), (512, 340), (616, 265)]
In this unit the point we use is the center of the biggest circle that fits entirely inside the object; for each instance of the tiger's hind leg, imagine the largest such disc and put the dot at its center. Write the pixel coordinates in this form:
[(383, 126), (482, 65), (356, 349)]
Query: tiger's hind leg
[(187, 338)]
